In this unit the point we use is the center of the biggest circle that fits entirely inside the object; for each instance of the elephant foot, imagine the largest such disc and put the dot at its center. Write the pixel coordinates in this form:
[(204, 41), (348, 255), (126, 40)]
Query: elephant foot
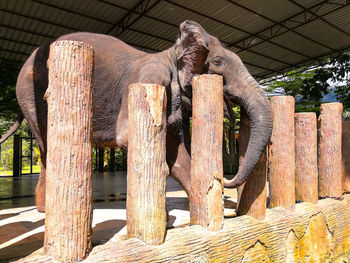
[(40, 198), (40, 192), (167, 215), (40, 204), (40, 208)]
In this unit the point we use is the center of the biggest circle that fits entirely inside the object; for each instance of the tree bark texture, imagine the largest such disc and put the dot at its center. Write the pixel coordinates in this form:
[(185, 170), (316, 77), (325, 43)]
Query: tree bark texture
[(252, 194), (306, 172), (312, 233), (329, 150), (281, 153), (346, 156), (68, 230), (147, 168), (206, 152)]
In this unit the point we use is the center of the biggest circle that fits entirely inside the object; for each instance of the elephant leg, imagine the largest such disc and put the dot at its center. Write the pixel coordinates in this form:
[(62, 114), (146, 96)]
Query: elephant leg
[(179, 162), (41, 186), (122, 124)]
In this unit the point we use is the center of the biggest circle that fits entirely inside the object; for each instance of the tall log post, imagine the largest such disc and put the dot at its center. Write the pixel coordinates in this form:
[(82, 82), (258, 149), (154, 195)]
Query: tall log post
[(206, 150), (68, 231), (346, 156), (252, 194), (147, 168), (329, 150), (281, 153), (306, 173)]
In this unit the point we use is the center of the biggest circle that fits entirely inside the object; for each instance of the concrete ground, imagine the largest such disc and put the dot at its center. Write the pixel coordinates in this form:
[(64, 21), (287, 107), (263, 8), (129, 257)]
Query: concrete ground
[(22, 227)]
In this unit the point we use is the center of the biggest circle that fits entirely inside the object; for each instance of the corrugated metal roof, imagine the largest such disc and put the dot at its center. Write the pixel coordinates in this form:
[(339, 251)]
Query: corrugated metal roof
[(271, 37)]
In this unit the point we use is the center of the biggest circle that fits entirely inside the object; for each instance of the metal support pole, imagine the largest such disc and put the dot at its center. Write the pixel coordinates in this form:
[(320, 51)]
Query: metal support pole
[(16, 155)]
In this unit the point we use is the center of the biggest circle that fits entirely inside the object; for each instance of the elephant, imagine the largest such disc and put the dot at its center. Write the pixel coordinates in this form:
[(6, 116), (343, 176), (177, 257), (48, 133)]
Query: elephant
[(117, 65)]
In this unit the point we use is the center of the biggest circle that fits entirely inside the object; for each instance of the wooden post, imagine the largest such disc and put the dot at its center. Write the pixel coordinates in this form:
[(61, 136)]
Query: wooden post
[(68, 231), (329, 150), (147, 168), (346, 156), (16, 167), (306, 173), (252, 194), (206, 150), (281, 153), (101, 159), (112, 160)]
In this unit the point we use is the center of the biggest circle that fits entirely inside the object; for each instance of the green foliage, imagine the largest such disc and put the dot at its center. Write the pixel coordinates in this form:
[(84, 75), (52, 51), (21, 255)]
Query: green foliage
[(8, 102), (332, 74), (292, 85), (5, 125), (230, 159), (118, 159), (227, 123), (6, 153), (301, 107)]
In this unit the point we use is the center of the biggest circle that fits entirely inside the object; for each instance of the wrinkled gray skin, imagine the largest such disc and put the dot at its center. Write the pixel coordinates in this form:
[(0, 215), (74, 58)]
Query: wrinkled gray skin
[(118, 65)]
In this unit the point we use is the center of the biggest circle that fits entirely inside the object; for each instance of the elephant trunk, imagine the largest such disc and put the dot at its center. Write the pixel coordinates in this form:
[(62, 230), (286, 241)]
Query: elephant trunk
[(258, 109)]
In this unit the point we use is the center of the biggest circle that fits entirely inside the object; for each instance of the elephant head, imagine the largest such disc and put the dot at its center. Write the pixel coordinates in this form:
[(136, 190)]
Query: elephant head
[(200, 53)]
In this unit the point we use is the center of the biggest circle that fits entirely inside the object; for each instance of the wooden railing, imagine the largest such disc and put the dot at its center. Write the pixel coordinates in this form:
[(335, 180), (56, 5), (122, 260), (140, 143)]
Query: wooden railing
[(291, 160)]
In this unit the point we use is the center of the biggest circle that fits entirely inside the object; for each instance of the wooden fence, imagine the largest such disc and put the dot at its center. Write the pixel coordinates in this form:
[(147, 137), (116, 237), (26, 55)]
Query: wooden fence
[(316, 229)]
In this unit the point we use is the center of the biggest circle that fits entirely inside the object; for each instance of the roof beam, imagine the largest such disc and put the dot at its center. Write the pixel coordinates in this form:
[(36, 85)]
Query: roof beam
[(265, 56), (38, 19), (75, 29), (274, 31), (17, 41), (52, 37), (173, 25), (234, 27), (104, 21), (321, 18), (302, 63), (282, 25), (271, 71), (14, 52), (72, 12), (5, 61), (136, 12), (134, 30), (125, 22), (27, 31)]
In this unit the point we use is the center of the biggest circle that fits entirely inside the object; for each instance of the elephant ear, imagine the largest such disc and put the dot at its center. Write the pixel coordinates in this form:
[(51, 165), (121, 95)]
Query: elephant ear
[(191, 51)]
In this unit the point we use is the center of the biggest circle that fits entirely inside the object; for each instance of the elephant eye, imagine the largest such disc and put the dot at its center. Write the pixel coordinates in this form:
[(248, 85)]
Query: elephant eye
[(217, 61)]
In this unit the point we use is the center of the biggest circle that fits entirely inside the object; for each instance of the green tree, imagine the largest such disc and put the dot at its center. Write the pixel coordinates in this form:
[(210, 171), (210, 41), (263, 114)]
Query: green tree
[(313, 83), (8, 102)]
